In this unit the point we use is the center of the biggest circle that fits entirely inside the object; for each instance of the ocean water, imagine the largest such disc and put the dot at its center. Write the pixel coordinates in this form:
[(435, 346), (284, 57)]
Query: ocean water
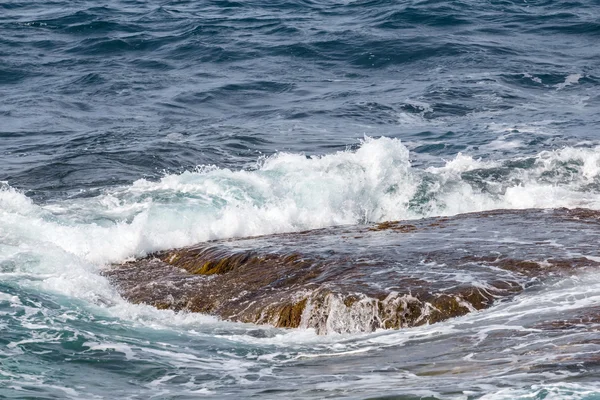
[(128, 127)]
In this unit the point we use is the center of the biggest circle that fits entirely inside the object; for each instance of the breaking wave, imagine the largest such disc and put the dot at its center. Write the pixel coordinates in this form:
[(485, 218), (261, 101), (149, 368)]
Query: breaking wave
[(290, 192)]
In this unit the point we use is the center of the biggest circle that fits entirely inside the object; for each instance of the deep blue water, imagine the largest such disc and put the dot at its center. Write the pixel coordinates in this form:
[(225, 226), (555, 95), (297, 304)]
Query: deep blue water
[(97, 94), (128, 127)]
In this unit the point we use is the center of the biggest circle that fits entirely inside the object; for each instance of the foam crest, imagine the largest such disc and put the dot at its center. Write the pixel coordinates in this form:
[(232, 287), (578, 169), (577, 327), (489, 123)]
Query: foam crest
[(585, 391), (14, 202), (568, 177), (289, 192)]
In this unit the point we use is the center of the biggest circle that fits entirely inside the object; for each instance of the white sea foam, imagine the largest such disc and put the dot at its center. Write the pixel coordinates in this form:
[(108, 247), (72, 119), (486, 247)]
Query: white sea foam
[(548, 391), (569, 80)]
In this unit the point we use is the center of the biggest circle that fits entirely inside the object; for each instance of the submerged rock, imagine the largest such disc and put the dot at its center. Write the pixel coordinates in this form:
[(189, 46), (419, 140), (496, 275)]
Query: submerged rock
[(361, 278)]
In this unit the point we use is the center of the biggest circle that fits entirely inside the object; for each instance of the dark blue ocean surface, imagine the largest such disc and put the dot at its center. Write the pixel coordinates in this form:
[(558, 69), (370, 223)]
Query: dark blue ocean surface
[(97, 94), (128, 127)]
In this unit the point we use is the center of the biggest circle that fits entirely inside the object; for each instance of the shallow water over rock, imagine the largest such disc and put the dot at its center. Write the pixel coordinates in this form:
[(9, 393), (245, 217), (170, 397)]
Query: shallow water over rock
[(361, 278)]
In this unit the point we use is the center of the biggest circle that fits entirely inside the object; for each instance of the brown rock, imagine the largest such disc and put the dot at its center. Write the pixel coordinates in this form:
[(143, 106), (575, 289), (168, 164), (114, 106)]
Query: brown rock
[(362, 278)]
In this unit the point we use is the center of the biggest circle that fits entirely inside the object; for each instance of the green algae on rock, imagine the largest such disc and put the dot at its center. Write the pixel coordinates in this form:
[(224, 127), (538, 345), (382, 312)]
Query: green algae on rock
[(344, 279)]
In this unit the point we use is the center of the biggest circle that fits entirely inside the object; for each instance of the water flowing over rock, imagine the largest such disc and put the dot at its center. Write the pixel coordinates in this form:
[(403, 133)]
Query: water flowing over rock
[(349, 279)]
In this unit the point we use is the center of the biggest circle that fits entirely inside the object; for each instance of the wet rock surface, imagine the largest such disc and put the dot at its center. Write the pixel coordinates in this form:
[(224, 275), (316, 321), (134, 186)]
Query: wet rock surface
[(389, 275)]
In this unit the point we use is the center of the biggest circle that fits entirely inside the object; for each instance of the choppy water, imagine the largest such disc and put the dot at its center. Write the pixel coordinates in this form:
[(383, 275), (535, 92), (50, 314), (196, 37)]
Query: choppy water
[(128, 127)]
